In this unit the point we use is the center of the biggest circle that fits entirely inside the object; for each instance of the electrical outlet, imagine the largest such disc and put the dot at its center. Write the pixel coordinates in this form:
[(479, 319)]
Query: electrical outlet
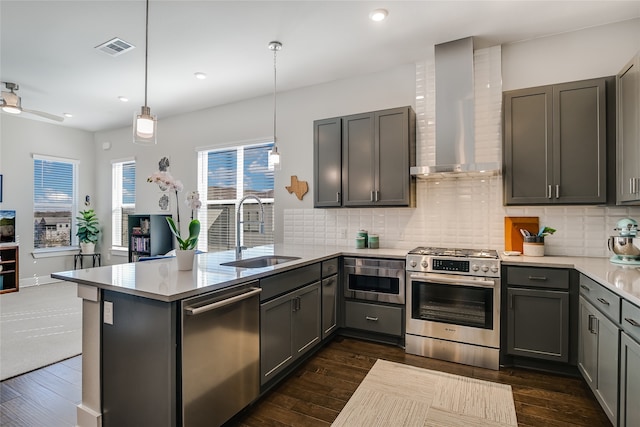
[(108, 313)]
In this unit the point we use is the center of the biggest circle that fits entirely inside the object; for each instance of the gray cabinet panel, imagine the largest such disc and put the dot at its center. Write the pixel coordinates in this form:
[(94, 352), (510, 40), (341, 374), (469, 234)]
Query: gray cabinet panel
[(579, 135), (598, 357), (628, 135), (555, 144), (392, 157), (631, 319), (276, 336), (358, 159), (538, 277), (327, 149), (307, 318), (374, 318), (527, 148), (601, 298), (289, 280), (538, 324), (329, 305), (629, 381)]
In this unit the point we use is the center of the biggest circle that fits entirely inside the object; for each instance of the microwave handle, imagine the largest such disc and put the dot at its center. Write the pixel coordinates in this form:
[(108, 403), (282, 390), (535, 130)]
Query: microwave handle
[(375, 271), (459, 282)]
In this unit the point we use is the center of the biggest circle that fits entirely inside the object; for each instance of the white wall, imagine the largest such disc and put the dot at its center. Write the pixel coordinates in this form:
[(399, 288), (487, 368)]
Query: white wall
[(21, 138), (179, 136)]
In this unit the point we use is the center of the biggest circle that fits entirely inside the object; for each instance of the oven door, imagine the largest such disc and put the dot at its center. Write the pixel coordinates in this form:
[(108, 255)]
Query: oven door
[(454, 307)]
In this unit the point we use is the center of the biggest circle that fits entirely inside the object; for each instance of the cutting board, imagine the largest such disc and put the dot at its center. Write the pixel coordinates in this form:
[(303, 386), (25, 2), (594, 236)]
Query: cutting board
[(512, 225)]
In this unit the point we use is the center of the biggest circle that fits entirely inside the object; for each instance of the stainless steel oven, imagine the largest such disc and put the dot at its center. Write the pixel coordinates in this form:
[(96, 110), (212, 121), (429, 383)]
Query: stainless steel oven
[(453, 305), (374, 279)]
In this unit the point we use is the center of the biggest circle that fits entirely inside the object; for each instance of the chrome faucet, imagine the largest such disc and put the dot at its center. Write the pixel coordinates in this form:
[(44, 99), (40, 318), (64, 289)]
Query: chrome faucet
[(260, 221)]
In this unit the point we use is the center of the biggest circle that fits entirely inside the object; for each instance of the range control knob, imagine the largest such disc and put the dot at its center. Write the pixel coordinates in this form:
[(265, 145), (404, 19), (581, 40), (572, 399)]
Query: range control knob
[(485, 268), (413, 263), (494, 268), (424, 263), (475, 267)]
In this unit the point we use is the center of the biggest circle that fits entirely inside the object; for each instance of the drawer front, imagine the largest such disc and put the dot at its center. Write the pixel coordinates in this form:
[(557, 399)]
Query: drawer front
[(279, 284), (557, 278), (329, 267), (601, 298), (631, 319), (374, 318)]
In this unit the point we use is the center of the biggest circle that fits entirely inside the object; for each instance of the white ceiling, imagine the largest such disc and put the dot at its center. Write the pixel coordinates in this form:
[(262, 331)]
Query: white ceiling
[(47, 47)]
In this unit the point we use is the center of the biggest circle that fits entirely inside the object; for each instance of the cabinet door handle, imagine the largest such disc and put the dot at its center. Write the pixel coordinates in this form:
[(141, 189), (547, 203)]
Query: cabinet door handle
[(372, 196), (538, 278), (593, 324), (585, 287), (549, 191), (631, 185), (603, 301), (377, 195), (373, 319), (337, 197), (557, 191), (631, 321)]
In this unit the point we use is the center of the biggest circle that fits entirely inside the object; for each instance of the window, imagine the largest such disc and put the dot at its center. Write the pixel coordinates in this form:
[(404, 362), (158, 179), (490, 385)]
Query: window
[(54, 201), (123, 200), (225, 176)]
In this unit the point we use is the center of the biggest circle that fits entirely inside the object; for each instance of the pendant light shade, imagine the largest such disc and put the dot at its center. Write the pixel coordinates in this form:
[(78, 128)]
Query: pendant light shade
[(145, 124), (274, 155)]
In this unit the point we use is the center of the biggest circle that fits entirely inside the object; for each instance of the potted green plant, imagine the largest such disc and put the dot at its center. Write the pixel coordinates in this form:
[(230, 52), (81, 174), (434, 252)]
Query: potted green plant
[(87, 231)]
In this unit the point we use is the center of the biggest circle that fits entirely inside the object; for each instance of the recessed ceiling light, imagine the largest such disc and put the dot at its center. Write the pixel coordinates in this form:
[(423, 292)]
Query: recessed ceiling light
[(123, 99), (378, 15), (67, 114), (200, 76)]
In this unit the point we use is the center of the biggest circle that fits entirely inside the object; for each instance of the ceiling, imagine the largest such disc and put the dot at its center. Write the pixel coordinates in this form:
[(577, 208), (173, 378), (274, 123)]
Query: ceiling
[(48, 47)]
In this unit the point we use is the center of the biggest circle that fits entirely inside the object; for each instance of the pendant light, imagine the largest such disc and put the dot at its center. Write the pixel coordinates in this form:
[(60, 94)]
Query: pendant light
[(145, 124), (274, 155)]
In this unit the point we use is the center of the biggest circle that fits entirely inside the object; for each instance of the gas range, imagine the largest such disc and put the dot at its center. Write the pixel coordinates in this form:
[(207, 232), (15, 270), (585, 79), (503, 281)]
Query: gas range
[(468, 262)]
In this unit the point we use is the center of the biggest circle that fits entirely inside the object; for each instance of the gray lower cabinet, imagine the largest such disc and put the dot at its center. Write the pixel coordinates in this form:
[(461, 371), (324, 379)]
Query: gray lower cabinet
[(629, 381), (539, 313), (555, 144), (538, 324), (377, 318), (598, 357), (329, 305), (290, 326)]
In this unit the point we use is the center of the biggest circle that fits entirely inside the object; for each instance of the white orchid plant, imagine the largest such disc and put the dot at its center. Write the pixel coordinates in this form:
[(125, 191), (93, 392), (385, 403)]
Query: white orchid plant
[(166, 182)]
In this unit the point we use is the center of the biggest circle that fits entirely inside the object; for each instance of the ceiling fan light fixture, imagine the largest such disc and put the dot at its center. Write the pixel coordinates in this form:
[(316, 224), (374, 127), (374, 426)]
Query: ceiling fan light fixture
[(145, 124), (11, 109)]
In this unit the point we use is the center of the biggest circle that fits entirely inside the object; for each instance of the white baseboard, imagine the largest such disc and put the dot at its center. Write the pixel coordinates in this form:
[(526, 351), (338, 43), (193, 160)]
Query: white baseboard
[(38, 280)]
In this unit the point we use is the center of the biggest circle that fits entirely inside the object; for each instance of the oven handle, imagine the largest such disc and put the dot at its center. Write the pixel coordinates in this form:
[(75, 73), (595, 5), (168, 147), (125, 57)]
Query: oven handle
[(461, 282)]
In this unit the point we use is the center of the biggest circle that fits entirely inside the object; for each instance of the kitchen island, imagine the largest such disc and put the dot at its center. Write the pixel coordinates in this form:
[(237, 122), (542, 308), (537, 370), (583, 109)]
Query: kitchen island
[(157, 288), (160, 284)]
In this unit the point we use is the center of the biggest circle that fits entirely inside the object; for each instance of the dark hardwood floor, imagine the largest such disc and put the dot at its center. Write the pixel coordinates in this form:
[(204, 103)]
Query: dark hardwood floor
[(316, 392), (44, 397)]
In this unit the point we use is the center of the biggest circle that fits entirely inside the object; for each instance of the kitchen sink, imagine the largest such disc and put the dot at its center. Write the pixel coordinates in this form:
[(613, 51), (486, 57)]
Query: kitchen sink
[(260, 262)]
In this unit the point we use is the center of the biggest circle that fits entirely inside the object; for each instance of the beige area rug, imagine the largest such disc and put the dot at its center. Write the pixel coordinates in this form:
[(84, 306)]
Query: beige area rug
[(393, 394), (39, 325)]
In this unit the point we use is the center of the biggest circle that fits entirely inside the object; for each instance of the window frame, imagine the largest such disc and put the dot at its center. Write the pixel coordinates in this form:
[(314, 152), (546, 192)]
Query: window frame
[(117, 166), (73, 246)]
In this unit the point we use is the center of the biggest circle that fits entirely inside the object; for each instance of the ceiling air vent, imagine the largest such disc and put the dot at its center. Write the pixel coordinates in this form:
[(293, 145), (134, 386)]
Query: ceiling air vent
[(115, 47)]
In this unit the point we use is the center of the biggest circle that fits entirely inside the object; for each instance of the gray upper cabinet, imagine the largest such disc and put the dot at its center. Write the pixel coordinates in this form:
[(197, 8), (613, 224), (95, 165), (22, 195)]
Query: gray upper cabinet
[(327, 167), (628, 133), (555, 144), (378, 150)]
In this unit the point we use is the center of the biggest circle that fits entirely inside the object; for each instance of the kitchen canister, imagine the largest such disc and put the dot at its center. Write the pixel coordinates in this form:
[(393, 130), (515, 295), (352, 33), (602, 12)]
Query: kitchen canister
[(533, 246), (364, 235), (360, 242), (374, 241)]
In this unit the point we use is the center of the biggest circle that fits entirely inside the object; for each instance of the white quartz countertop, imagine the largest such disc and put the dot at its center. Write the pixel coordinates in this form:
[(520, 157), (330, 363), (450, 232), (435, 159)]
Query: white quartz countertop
[(620, 279), (161, 280)]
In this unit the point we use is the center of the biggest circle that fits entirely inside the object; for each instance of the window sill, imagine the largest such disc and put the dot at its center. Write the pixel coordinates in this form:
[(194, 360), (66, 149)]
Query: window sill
[(119, 251), (55, 252)]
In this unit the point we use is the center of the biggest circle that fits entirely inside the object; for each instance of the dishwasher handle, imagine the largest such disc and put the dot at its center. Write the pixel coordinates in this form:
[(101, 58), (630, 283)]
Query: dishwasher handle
[(191, 311)]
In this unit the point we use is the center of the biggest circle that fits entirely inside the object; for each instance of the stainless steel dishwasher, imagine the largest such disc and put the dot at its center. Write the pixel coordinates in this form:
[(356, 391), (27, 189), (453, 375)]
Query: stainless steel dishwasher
[(220, 354)]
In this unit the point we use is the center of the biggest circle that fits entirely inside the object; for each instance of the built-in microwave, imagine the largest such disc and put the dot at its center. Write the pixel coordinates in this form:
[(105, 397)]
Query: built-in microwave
[(374, 279)]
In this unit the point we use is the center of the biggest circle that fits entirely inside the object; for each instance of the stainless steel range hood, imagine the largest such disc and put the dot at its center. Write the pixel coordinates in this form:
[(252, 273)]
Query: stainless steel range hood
[(455, 114)]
